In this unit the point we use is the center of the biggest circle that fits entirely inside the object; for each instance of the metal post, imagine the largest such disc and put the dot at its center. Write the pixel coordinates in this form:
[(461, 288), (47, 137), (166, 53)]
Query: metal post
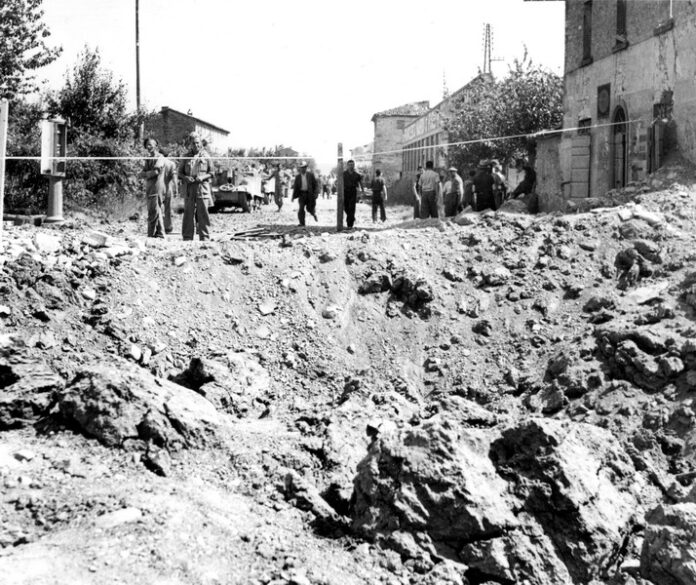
[(339, 189), (55, 200), (4, 110)]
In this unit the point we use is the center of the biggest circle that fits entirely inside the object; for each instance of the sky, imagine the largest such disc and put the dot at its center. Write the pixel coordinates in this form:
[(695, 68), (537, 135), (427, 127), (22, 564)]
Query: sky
[(307, 73)]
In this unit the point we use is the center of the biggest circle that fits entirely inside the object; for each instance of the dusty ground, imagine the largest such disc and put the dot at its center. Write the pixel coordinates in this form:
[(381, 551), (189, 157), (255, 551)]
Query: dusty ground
[(329, 372)]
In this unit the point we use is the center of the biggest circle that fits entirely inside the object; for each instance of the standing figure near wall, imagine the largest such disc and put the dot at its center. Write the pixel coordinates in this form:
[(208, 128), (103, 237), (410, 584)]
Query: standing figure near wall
[(153, 174), (431, 193), (196, 173)]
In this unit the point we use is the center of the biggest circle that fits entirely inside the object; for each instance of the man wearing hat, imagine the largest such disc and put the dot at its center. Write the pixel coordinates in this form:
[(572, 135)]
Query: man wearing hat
[(305, 191), (453, 192), (484, 186)]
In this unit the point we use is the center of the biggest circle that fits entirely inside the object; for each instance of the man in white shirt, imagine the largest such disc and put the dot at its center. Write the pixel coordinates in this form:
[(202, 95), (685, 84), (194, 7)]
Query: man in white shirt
[(453, 192), (429, 185)]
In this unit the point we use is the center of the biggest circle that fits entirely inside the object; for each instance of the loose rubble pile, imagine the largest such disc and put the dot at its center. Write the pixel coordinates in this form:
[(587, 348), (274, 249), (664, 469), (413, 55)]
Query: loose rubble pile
[(501, 399)]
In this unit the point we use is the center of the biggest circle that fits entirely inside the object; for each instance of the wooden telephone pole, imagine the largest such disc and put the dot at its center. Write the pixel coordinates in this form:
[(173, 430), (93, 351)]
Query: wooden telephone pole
[(141, 130)]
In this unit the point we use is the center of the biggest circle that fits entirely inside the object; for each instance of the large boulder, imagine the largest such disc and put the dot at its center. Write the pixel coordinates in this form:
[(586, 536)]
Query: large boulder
[(669, 547), (432, 479), (26, 389), (113, 403), (576, 481)]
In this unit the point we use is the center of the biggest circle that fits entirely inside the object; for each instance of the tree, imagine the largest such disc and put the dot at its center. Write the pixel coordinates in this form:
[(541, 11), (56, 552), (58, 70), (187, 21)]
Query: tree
[(527, 100), (23, 47), (94, 102)]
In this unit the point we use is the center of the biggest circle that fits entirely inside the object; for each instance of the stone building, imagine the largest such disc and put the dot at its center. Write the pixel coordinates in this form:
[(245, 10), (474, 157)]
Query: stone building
[(170, 126), (630, 89), (389, 137)]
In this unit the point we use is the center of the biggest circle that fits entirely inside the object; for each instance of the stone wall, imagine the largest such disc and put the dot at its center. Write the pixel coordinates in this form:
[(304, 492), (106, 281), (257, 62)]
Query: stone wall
[(657, 62), (548, 166), (389, 136)]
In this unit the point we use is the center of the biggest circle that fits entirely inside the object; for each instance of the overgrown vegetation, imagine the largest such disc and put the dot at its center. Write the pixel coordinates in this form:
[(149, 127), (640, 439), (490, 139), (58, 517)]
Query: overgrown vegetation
[(23, 46)]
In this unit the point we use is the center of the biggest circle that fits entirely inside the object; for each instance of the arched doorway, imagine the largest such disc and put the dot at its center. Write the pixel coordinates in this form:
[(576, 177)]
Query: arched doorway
[(620, 143)]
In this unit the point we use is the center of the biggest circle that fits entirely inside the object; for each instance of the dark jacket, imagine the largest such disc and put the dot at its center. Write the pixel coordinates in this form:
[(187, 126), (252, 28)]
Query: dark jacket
[(483, 184), (528, 183), (312, 185)]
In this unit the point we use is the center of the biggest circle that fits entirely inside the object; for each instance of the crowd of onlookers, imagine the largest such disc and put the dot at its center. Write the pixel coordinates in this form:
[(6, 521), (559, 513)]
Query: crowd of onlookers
[(445, 193), (435, 194)]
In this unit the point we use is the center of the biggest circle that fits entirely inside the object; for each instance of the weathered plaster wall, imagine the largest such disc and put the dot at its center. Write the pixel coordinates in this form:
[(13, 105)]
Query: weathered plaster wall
[(639, 75)]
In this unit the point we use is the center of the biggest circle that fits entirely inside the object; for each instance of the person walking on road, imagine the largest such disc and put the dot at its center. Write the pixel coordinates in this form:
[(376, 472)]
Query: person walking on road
[(379, 197), (352, 179), (453, 192), (429, 183), (305, 191), (196, 172), (153, 174)]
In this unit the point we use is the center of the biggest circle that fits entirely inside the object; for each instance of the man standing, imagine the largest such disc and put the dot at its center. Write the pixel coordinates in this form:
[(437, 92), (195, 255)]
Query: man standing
[(379, 197), (469, 191), (277, 185), (417, 194), (171, 189), (153, 173), (500, 184), (196, 172), (454, 192), (484, 186), (431, 194), (305, 191), (351, 181)]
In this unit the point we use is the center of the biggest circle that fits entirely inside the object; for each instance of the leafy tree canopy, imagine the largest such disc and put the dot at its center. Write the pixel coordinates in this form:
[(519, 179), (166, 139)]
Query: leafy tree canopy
[(23, 47), (527, 100), (93, 100)]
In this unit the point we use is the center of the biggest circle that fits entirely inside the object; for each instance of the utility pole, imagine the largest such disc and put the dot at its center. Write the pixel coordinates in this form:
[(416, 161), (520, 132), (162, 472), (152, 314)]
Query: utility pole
[(141, 130), (488, 50), (4, 109)]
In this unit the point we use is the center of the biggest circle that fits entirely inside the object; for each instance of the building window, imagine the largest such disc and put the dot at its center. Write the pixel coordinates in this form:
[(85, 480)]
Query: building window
[(621, 18), (585, 127), (587, 33)]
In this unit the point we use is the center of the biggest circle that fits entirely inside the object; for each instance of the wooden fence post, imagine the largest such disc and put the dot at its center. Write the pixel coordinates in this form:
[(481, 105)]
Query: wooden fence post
[(339, 189)]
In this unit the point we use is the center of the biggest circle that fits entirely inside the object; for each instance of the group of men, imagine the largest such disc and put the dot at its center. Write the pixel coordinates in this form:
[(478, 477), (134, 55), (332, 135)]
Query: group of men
[(436, 195), (195, 171)]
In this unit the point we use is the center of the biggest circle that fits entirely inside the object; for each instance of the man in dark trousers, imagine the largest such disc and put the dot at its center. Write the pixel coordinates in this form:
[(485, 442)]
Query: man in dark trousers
[(484, 185), (431, 192), (379, 197), (196, 172), (305, 190), (352, 179)]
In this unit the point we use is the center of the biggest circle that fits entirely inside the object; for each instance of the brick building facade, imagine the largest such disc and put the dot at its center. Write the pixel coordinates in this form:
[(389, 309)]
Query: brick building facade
[(171, 126), (630, 88), (389, 137)]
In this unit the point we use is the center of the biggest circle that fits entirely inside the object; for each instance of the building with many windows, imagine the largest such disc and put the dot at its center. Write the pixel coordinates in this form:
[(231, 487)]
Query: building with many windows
[(630, 91), (426, 137)]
